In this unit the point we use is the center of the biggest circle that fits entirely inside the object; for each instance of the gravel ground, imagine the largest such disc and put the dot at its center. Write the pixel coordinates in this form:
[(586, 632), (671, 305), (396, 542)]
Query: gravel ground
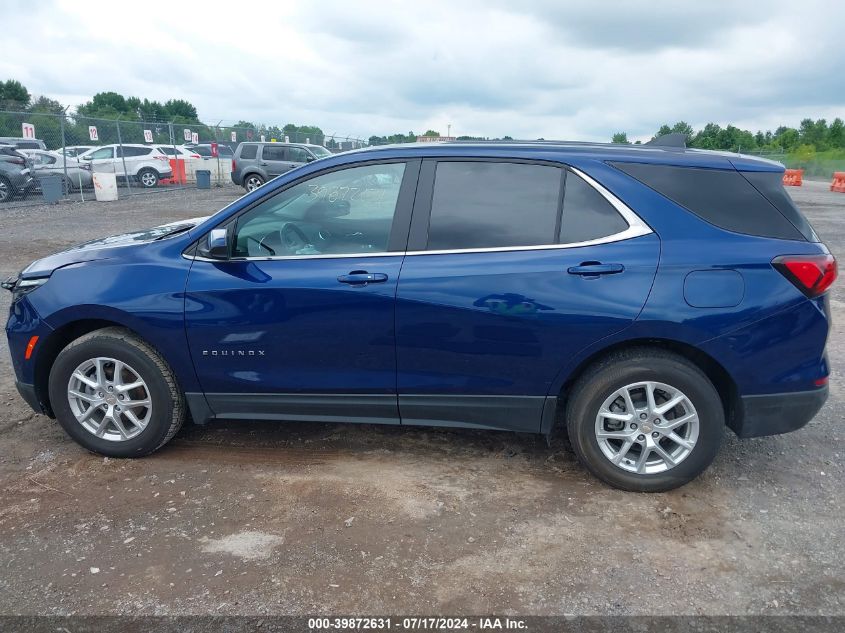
[(303, 519)]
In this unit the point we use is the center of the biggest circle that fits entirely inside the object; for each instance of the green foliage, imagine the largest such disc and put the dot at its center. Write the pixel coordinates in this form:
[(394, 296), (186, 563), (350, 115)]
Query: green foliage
[(431, 133), (13, 95), (620, 137)]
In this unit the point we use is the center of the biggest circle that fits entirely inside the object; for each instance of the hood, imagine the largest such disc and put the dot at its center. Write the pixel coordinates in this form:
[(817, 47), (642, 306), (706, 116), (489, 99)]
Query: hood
[(101, 248)]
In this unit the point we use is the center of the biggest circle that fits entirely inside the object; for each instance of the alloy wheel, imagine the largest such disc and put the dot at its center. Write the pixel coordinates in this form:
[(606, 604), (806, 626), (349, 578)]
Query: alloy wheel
[(647, 427), (109, 399)]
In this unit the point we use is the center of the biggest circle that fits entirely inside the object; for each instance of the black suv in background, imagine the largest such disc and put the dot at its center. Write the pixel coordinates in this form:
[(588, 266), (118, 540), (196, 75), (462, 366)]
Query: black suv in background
[(15, 175), (256, 163)]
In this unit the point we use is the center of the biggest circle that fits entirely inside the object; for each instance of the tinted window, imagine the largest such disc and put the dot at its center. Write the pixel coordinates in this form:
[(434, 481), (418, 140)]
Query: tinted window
[(297, 155), (274, 152), (202, 150), (129, 152), (587, 215), (487, 205), (722, 197), (170, 151), (28, 145), (770, 184), (249, 151), (343, 212)]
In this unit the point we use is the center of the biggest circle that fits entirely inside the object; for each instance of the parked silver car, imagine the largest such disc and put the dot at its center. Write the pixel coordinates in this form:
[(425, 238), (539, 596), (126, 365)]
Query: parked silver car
[(256, 163), (45, 163)]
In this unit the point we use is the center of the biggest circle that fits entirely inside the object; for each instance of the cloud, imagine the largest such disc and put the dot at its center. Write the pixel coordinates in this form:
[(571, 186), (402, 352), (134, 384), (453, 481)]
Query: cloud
[(577, 70)]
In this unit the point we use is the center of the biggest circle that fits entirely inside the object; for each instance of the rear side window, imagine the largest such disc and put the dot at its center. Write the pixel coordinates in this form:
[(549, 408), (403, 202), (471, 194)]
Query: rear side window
[(721, 197), (129, 152), (28, 145), (587, 215), (271, 152), (489, 205), (249, 151), (770, 184)]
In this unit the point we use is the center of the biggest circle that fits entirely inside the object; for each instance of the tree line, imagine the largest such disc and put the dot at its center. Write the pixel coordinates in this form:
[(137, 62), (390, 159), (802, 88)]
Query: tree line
[(810, 136), (108, 110)]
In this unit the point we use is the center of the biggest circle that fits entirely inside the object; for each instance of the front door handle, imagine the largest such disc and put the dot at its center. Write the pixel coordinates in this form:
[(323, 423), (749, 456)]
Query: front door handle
[(594, 269), (362, 278)]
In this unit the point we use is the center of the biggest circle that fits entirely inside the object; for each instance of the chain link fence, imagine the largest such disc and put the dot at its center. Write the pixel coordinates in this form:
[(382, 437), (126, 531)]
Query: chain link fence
[(40, 152)]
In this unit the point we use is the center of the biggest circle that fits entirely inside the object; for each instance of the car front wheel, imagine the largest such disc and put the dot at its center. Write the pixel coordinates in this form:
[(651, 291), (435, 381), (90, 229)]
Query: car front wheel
[(645, 420), (115, 395)]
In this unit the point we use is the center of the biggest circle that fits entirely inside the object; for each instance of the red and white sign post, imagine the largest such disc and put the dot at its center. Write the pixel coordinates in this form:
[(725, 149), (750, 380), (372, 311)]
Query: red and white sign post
[(28, 130), (92, 133), (148, 136)]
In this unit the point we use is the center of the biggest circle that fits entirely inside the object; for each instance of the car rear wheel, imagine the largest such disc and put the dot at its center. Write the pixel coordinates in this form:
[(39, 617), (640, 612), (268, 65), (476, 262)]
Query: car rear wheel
[(148, 178), (645, 420), (5, 189), (115, 395), (253, 182)]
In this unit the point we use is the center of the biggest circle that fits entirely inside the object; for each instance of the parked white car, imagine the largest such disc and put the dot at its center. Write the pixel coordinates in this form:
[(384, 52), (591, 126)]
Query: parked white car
[(177, 151), (144, 163), (46, 163), (75, 150)]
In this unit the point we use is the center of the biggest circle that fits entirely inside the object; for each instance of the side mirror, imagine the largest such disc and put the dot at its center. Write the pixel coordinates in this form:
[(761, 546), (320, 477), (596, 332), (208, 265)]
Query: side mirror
[(216, 245), (309, 159), (85, 157)]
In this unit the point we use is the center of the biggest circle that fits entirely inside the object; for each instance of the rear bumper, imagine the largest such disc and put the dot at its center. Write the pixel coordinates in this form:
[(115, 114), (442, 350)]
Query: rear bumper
[(236, 178), (773, 414)]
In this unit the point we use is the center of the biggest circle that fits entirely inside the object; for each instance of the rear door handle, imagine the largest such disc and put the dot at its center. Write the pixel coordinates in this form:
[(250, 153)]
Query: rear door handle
[(362, 278), (594, 269)]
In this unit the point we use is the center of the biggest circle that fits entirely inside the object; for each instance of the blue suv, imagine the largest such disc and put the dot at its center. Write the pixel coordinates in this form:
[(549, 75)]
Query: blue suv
[(646, 297)]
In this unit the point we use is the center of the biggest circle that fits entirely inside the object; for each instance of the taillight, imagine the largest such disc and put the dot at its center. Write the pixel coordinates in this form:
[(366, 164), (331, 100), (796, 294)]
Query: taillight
[(812, 274), (17, 161), (162, 157), (234, 165)]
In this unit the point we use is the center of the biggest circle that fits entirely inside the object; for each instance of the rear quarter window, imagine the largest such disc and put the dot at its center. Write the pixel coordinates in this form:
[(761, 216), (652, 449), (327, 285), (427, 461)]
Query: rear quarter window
[(249, 151), (721, 197)]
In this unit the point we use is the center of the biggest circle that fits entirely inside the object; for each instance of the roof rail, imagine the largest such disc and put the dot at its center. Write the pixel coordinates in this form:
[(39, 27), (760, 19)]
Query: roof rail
[(675, 139)]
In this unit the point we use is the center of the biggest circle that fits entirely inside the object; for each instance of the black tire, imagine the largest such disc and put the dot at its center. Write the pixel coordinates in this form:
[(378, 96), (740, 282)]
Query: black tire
[(148, 178), (168, 402), (252, 180), (6, 190), (625, 368)]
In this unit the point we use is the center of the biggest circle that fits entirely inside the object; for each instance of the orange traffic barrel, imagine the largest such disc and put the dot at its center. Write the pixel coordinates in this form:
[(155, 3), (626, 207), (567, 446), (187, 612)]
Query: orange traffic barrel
[(838, 183)]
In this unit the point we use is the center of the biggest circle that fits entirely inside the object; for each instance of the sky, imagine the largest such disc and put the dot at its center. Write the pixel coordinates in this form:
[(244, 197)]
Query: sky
[(556, 69)]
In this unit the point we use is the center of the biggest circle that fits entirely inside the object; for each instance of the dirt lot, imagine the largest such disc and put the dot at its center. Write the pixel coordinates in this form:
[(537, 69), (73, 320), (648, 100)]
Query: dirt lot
[(304, 519)]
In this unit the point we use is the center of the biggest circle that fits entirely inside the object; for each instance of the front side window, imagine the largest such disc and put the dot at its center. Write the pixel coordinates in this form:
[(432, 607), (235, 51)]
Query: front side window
[(105, 152), (347, 211), (487, 205), (297, 155), (587, 215)]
